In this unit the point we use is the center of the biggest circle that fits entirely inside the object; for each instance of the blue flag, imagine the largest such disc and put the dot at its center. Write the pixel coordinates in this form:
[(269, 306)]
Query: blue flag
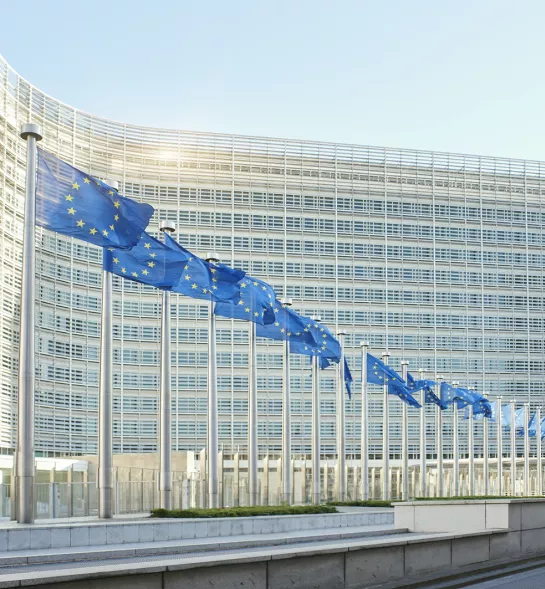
[(288, 325), (532, 427), (380, 373), (256, 303), (504, 411), (202, 280), (458, 395), (149, 262), (481, 408), (348, 380), (77, 204), (327, 347), (429, 395)]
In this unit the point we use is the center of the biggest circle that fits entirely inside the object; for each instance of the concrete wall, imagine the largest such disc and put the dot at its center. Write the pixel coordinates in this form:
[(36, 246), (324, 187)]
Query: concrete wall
[(352, 566), (181, 461)]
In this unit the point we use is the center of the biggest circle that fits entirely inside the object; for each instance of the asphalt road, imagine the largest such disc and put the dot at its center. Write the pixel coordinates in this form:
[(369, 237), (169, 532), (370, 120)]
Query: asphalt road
[(534, 579)]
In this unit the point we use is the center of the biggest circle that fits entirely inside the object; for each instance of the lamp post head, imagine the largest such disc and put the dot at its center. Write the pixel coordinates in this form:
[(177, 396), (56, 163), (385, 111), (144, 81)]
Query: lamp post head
[(286, 302), (364, 344), (316, 318), (113, 183), (167, 226), (31, 130), (212, 257), (341, 332)]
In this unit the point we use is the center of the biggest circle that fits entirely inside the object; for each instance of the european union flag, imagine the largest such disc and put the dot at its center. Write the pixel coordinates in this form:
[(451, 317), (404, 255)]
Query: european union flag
[(202, 280), (149, 262), (519, 421), (348, 380), (327, 347), (380, 373), (460, 396), (79, 205), (504, 411), (481, 408), (429, 396), (256, 303), (532, 427), (288, 326)]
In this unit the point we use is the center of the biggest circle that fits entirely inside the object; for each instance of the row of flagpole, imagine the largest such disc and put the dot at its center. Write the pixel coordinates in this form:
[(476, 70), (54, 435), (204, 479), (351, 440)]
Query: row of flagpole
[(24, 469)]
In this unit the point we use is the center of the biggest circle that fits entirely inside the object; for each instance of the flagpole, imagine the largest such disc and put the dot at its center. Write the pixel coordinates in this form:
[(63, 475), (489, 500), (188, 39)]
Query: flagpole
[(471, 452), (315, 446), (341, 447), (538, 452), (404, 439), (526, 450), (486, 475), (24, 457), (165, 396), (105, 473), (439, 449), (212, 433), (513, 449), (385, 438), (252, 419), (455, 457), (499, 441), (364, 346), (423, 490), (286, 420)]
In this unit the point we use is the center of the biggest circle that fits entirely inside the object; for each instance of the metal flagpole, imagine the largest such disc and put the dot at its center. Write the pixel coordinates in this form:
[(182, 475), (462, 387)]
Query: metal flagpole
[(165, 395), (423, 491), (24, 458), (499, 441), (212, 433), (253, 474), (404, 440), (315, 442), (539, 453), (439, 449), (340, 483), (385, 439), (364, 425), (513, 449), (471, 452), (455, 457), (486, 475), (105, 473), (315, 445), (526, 450), (286, 422)]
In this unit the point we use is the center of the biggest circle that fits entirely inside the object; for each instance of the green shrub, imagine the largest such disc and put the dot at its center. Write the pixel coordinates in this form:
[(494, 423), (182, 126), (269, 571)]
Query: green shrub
[(369, 503), (244, 511), (474, 498)]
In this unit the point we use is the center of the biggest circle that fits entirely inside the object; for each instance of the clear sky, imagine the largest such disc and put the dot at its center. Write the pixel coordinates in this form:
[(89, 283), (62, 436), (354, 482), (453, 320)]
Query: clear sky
[(450, 75)]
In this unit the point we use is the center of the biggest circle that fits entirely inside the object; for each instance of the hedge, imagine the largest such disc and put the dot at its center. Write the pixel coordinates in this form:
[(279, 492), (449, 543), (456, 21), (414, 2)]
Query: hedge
[(244, 511)]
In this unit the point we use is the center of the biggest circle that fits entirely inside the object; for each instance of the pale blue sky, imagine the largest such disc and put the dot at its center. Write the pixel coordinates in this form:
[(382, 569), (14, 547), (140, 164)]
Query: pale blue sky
[(450, 75)]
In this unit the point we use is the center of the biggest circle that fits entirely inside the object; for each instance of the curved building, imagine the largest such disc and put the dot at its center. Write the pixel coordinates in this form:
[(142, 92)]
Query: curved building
[(437, 257)]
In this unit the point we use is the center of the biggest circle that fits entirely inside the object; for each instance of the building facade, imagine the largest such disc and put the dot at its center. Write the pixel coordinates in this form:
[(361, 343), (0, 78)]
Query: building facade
[(436, 257)]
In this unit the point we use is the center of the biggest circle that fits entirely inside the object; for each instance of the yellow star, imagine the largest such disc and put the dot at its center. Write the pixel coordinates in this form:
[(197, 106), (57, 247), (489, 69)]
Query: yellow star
[(187, 277), (151, 264), (105, 233), (124, 270), (241, 302), (147, 246), (71, 211), (243, 285), (152, 255), (247, 309), (92, 231), (69, 197), (278, 325), (135, 274), (265, 288), (256, 314), (215, 287), (112, 227), (289, 333), (204, 290), (87, 181), (215, 280), (81, 223), (116, 204), (186, 267), (256, 283), (75, 186), (213, 270), (145, 272), (116, 217), (116, 260), (193, 286), (111, 192), (283, 331)]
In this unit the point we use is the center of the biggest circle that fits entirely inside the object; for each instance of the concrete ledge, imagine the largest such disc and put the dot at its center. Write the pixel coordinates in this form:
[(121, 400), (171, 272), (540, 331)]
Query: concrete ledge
[(331, 564), (15, 537)]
